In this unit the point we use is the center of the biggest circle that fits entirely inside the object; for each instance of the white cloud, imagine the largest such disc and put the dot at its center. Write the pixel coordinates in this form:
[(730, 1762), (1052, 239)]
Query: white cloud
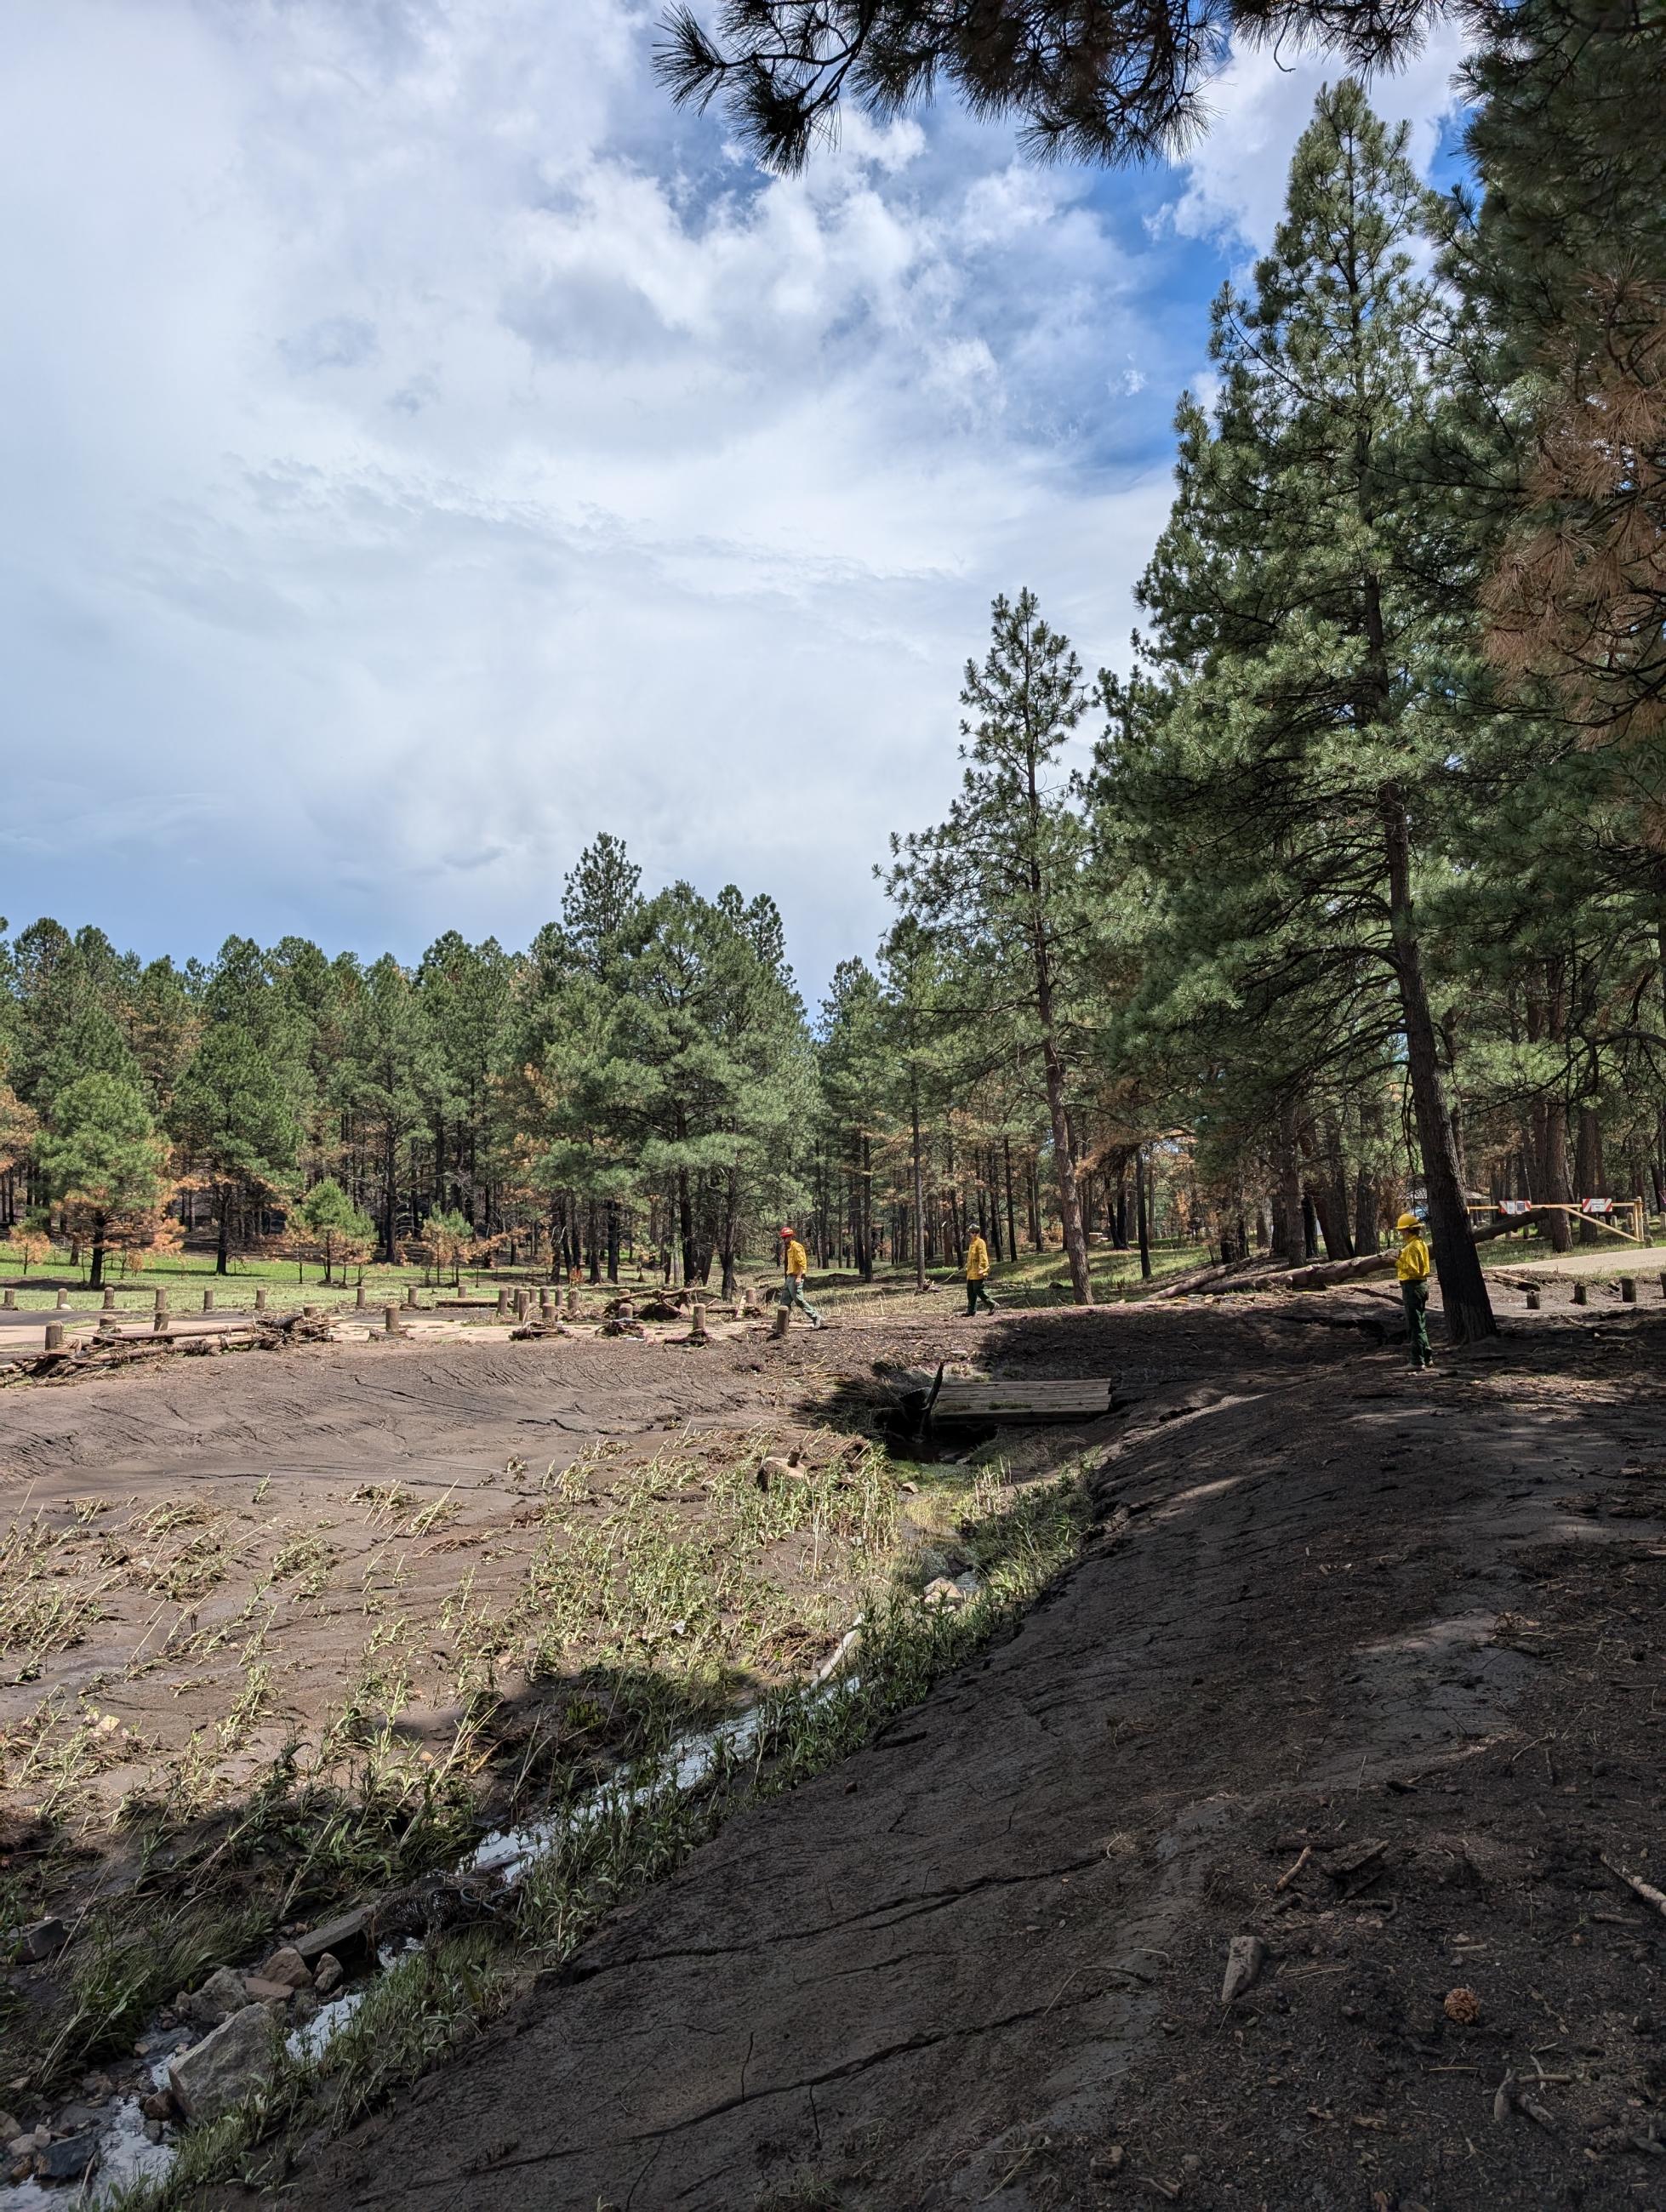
[(1261, 106), (424, 450)]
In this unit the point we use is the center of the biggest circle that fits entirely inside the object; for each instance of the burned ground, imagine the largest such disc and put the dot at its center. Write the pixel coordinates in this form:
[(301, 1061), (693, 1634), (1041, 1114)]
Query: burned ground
[(1365, 1666)]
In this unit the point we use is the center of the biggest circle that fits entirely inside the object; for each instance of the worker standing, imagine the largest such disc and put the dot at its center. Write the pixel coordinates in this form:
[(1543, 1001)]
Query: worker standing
[(1412, 1271), (977, 1269), (797, 1262)]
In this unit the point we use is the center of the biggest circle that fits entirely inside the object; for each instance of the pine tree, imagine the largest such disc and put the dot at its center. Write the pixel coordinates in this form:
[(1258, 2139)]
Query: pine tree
[(102, 1156), (231, 1117), (1311, 634), (335, 1223), (1000, 883)]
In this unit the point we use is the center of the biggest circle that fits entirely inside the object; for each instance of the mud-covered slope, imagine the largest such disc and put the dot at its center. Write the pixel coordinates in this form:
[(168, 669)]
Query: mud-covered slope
[(1411, 1629)]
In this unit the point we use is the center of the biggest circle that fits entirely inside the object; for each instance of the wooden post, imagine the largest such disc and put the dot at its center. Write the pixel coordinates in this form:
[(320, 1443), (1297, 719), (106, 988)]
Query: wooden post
[(391, 1320), (158, 1325), (358, 1300), (260, 1299), (783, 1315), (411, 1295), (572, 1303), (502, 1303), (108, 1325), (1579, 1294), (1628, 1290), (1533, 1302), (8, 1303), (109, 1299), (162, 1301), (208, 1301), (309, 1312), (54, 1336), (62, 1300), (697, 1323)]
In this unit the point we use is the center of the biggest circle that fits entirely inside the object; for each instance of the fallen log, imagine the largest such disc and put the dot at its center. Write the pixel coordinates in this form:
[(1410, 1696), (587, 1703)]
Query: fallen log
[(1319, 1274)]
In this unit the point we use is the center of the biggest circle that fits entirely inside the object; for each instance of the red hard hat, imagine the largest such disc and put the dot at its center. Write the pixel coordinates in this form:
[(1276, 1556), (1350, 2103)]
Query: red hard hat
[(785, 1232)]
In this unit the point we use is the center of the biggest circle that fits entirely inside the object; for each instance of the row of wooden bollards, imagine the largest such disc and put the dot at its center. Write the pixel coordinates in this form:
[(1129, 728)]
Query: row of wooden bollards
[(1582, 1292)]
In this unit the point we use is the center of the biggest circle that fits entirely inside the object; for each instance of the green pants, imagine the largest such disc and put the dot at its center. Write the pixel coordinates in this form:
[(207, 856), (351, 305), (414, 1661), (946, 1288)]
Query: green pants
[(976, 1294), (792, 1295), (1415, 1298)]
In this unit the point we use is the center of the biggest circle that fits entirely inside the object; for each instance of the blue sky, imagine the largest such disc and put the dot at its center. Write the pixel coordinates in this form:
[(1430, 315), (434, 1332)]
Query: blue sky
[(424, 450)]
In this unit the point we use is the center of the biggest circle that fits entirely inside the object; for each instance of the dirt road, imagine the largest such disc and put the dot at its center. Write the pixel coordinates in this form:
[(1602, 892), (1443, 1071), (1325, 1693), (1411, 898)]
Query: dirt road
[(1365, 1666)]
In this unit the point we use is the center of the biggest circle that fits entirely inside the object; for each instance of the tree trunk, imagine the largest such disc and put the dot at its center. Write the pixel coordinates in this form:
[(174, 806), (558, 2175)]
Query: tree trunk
[(1588, 1167), (1462, 1286), (1288, 1241), (222, 1253), (1142, 1222), (95, 1280), (613, 1243), (919, 1185), (1012, 1222)]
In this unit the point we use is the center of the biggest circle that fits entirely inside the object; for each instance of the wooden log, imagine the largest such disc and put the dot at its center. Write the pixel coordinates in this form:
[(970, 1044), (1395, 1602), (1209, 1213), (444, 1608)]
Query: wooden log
[(260, 1300), (1581, 1295), (54, 1336), (1628, 1289)]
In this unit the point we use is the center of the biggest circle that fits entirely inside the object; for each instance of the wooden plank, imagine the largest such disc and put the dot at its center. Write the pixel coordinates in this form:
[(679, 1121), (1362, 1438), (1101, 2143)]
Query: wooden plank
[(1021, 1401)]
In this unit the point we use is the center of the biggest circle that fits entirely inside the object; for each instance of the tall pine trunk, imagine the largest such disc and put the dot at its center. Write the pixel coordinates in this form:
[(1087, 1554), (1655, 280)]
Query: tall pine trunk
[(95, 1280), (1457, 1264)]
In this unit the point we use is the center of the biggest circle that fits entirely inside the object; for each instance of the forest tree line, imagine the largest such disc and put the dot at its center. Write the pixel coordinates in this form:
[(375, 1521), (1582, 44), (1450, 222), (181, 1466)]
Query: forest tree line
[(1350, 891)]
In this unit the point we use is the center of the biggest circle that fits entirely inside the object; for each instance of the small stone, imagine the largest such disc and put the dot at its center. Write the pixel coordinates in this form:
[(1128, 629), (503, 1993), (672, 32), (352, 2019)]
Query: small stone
[(98, 2086), (1245, 1957), (63, 2161), (259, 1991), (41, 1940), (329, 1975), (940, 1591), (335, 1934), (21, 2145), (9, 2127), (214, 2075), (153, 2131), (288, 1968), (159, 2105), (220, 1996), (73, 2118)]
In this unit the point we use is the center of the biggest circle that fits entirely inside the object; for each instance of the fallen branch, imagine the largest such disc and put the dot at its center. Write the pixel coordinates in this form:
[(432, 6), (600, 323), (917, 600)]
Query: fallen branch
[(1646, 1890)]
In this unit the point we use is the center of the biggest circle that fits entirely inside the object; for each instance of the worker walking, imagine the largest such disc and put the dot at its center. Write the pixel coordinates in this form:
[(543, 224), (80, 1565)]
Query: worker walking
[(1411, 1270), (977, 1269), (797, 1261)]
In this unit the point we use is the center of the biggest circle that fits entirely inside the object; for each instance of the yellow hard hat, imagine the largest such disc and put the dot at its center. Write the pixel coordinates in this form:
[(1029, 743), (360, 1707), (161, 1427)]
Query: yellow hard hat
[(1408, 1221)]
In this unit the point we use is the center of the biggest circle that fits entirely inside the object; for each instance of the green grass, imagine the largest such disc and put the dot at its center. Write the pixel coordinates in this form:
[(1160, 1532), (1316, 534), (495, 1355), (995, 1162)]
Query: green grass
[(1033, 1279)]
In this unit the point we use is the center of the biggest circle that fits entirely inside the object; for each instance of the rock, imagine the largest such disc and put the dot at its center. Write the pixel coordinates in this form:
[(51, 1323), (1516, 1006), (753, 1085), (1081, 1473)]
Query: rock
[(258, 1990), (73, 2118), (214, 2075), (98, 2086), (63, 2161), (941, 1592), (153, 2131), (1245, 1957), (777, 1469), (159, 2105), (329, 1974), (21, 2145), (41, 1941), (9, 2128), (220, 1996), (336, 1935), (288, 1968)]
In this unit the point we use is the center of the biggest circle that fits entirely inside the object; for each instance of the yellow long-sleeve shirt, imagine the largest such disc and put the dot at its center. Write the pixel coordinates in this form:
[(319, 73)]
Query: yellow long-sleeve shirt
[(798, 1260), (977, 1260), (1413, 1264)]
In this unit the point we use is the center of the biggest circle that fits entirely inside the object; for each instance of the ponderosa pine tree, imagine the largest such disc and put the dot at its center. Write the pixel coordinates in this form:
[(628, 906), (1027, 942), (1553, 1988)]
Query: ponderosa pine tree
[(1000, 883), (101, 1158), (1309, 626)]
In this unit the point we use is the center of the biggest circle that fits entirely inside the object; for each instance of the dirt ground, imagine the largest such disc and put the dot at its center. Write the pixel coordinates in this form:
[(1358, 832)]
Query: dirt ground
[(1366, 1666)]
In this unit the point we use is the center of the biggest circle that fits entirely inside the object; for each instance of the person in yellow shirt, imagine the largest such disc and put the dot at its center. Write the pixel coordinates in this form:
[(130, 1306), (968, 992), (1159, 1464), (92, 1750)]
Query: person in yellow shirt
[(977, 1269), (796, 1260), (1411, 1270)]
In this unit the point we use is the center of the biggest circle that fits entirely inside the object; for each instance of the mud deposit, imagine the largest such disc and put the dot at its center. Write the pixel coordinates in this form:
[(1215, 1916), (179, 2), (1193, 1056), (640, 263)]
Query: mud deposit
[(1366, 1666)]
